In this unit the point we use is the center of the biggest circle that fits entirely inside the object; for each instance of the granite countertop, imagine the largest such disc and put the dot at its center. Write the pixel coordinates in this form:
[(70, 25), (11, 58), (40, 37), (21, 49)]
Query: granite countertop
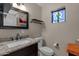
[(4, 49)]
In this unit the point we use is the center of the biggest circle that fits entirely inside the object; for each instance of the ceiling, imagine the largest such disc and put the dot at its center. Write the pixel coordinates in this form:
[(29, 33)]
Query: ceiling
[(41, 4)]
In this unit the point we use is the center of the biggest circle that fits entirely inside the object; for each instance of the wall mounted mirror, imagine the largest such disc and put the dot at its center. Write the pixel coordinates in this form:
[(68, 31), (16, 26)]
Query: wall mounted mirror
[(11, 17)]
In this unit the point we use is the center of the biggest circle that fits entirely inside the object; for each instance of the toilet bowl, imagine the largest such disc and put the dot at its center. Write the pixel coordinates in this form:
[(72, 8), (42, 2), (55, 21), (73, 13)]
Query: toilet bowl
[(44, 50)]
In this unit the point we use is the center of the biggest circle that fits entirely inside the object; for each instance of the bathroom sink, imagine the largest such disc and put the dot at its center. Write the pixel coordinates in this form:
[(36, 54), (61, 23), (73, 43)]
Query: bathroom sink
[(4, 43), (17, 43)]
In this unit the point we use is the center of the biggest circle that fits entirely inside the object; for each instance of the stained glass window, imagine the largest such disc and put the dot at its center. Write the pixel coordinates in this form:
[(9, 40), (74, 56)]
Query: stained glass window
[(58, 16)]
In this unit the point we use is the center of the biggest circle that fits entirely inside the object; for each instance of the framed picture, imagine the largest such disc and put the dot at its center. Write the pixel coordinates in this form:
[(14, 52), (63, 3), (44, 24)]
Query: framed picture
[(59, 15)]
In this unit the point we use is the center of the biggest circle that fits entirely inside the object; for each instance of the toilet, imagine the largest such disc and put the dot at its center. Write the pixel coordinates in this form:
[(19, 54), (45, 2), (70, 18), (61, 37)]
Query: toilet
[(43, 50)]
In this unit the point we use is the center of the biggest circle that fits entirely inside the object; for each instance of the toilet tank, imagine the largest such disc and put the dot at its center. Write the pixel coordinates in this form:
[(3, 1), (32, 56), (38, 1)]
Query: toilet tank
[(40, 41)]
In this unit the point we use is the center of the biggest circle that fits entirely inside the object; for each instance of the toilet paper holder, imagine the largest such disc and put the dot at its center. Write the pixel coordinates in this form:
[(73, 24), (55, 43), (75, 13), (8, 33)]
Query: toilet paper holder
[(56, 45)]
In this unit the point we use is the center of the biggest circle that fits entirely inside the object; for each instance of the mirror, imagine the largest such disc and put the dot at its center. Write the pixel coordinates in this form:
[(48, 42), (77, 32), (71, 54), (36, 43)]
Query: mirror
[(12, 17)]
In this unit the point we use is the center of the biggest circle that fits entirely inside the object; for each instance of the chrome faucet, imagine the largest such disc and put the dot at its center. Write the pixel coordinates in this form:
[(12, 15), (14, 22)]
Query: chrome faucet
[(18, 36)]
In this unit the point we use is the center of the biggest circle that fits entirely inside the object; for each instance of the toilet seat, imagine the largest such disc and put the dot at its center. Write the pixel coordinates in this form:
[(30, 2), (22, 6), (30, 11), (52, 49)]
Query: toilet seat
[(46, 51)]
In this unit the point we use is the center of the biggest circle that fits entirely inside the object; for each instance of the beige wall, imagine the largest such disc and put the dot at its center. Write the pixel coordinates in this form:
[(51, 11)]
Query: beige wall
[(34, 12), (63, 33)]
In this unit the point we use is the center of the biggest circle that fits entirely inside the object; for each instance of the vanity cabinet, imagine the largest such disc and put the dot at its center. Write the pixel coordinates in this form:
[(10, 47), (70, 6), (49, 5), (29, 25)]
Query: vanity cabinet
[(31, 50)]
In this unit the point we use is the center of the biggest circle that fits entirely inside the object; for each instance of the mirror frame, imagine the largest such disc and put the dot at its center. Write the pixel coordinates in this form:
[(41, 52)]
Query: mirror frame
[(15, 27)]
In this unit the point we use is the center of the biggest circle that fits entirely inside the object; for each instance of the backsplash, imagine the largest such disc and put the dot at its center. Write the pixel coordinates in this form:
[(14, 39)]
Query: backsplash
[(5, 34)]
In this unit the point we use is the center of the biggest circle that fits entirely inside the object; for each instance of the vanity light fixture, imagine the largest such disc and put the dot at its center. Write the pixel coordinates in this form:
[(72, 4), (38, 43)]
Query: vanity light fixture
[(20, 4)]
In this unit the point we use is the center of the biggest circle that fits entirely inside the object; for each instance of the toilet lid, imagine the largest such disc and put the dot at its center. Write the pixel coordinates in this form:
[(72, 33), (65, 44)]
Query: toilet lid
[(47, 51)]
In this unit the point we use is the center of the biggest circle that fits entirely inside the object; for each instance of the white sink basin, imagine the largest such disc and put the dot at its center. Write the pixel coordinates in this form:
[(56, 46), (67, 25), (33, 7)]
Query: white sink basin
[(17, 43)]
